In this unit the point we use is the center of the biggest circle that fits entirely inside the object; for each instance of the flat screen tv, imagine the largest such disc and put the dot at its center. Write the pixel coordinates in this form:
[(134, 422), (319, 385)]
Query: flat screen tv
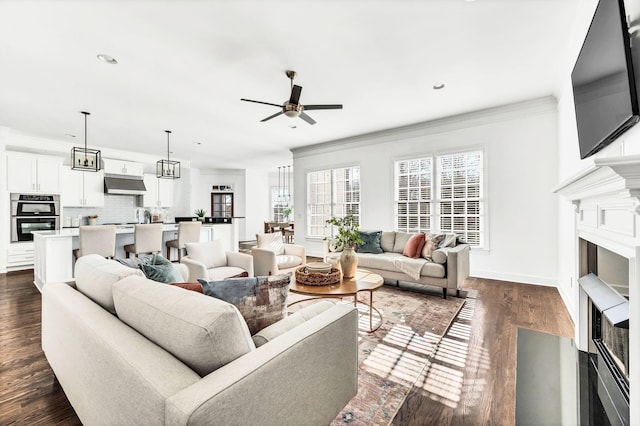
[(603, 80)]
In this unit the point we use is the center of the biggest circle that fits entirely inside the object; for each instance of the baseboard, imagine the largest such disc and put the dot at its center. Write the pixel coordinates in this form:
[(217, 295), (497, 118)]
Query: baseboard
[(516, 278)]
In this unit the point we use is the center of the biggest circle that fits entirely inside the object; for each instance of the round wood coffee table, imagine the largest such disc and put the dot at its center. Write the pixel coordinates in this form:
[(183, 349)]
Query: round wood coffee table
[(347, 287)]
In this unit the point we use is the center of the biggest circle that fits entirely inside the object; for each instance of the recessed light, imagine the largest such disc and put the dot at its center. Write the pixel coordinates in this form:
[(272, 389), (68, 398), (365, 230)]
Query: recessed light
[(438, 86), (69, 135), (293, 126), (197, 143), (107, 59)]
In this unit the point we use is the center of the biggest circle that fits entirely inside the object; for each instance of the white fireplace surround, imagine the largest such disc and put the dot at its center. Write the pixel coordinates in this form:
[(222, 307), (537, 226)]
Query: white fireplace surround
[(606, 199)]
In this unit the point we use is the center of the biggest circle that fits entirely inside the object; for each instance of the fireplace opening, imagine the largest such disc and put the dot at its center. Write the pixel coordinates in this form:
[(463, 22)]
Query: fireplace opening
[(605, 283)]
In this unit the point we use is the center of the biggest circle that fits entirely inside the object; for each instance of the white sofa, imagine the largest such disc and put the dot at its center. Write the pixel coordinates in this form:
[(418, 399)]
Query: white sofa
[(170, 356), (447, 268)]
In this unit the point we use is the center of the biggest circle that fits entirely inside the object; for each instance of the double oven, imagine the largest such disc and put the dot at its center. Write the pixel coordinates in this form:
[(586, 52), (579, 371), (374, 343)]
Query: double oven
[(33, 212)]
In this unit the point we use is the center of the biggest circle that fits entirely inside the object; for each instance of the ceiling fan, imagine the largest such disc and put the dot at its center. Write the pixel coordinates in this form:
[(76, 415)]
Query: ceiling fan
[(292, 108)]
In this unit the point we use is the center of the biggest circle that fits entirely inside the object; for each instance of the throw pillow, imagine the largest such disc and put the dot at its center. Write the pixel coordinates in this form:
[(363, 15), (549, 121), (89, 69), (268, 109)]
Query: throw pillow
[(449, 240), (161, 273), (414, 246), (431, 243), (371, 242), (271, 242), (262, 301), (189, 286)]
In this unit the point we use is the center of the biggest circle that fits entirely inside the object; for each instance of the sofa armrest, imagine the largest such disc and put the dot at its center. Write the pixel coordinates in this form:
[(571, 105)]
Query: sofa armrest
[(197, 270), (457, 265), (240, 260), (264, 262), (316, 363), (296, 250)]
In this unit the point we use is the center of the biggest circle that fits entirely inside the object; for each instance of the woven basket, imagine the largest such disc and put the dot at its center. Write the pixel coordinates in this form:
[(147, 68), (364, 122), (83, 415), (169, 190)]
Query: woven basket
[(303, 276)]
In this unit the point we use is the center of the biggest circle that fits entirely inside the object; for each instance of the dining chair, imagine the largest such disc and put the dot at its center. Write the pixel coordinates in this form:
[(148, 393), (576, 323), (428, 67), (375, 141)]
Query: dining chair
[(147, 238)]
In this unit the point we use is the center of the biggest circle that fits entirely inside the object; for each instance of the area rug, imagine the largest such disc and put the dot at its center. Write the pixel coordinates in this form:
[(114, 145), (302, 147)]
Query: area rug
[(391, 358)]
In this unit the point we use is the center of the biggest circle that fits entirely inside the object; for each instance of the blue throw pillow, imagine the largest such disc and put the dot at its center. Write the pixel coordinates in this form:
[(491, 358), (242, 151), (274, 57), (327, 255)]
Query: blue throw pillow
[(371, 242), (262, 301), (164, 273)]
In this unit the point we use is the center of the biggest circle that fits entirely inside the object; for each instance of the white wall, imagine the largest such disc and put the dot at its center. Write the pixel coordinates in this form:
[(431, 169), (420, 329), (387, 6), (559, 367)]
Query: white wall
[(258, 197), (520, 147)]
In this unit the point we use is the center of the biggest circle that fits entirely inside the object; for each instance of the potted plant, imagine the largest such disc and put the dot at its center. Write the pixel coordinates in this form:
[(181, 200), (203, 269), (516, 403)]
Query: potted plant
[(201, 214), (286, 213), (348, 238)]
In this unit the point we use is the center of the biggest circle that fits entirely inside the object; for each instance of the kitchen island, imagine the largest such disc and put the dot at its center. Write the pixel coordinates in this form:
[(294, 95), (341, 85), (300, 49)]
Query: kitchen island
[(53, 250)]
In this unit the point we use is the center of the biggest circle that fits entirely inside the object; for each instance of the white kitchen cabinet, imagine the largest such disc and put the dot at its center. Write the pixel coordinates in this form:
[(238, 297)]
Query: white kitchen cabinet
[(121, 167), (82, 189), (33, 173), (159, 192)]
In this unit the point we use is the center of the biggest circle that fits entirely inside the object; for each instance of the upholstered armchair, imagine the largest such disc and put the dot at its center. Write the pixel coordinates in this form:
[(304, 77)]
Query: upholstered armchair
[(210, 261), (271, 256)]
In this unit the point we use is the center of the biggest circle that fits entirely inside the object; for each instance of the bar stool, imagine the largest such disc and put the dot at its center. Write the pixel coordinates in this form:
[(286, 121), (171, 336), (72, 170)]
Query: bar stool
[(97, 239), (147, 238), (188, 232)]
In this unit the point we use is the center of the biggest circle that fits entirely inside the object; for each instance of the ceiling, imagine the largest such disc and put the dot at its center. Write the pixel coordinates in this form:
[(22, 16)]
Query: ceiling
[(184, 65)]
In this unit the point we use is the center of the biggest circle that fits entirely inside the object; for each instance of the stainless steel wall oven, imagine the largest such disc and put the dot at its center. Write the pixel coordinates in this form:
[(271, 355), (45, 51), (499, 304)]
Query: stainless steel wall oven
[(33, 212)]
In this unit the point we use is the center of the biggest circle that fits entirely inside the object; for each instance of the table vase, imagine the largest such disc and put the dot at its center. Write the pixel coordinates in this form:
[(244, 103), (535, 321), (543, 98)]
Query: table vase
[(348, 262)]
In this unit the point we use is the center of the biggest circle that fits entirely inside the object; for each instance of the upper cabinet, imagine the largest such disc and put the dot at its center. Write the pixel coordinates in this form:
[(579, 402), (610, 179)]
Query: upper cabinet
[(33, 173), (159, 192), (121, 167), (82, 189)]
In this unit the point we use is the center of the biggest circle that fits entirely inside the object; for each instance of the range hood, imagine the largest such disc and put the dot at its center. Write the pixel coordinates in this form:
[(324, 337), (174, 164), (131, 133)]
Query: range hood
[(124, 185)]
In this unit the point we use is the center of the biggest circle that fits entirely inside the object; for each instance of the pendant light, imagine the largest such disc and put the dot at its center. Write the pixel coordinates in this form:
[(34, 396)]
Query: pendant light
[(167, 169), (84, 159)]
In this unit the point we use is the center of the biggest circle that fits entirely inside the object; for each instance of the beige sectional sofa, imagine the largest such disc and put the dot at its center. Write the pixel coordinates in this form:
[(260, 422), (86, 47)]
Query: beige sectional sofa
[(447, 267), (127, 350)]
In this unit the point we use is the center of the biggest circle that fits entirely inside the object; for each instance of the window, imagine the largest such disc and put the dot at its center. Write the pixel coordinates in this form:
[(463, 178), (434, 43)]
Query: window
[(331, 193), (221, 204), (278, 203), (444, 198)]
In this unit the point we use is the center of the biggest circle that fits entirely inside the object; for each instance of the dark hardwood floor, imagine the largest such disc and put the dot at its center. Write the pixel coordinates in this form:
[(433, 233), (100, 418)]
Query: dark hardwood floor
[(472, 379)]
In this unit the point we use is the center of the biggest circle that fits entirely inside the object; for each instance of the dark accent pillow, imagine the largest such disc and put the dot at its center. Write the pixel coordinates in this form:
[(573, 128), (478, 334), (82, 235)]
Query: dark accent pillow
[(371, 242), (413, 248), (262, 301), (155, 267)]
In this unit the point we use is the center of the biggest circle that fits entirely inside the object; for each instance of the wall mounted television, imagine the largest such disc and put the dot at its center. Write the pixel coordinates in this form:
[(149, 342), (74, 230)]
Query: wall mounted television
[(603, 80)]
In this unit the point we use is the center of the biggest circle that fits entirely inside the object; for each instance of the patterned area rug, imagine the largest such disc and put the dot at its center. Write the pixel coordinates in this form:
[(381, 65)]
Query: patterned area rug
[(391, 358)]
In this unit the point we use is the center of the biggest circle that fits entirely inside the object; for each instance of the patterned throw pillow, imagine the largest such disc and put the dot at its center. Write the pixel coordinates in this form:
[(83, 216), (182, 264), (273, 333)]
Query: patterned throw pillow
[(414, 246), (449, 240), (431, 243), (371, 242), (262, 301)]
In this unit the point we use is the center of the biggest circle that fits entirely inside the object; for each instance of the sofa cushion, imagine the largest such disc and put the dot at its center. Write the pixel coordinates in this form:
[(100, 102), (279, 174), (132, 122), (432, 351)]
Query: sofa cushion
[(271, 242), (292, 321), (211, 254), (203, 332), (401, 241), (387, 239), (431, 243), (95, 275), (413, 248), (371, 242), (434, 270), (384, 261), (262, 301)]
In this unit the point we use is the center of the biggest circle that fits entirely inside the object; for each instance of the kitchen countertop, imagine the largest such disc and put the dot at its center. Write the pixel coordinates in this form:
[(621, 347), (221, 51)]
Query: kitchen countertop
[(120, 229)]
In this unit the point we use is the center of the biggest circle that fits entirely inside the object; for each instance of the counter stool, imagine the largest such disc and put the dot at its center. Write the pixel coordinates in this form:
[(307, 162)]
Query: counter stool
[(188, 232), (147, 238), (97, 239)]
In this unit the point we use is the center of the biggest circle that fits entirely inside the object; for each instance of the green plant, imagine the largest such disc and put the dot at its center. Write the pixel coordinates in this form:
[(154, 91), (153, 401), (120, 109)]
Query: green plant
[(286, 212), (200, 212), (348, 235)]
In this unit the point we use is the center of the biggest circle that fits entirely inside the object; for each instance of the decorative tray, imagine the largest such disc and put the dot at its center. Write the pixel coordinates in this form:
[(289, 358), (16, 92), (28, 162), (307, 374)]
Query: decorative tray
[(306, 277)]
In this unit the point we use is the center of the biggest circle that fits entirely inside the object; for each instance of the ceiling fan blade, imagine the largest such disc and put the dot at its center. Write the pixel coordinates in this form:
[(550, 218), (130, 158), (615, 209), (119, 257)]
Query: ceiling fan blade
[(337, 106), (306, 118), (295, 94), (271, 116), (260, 102)]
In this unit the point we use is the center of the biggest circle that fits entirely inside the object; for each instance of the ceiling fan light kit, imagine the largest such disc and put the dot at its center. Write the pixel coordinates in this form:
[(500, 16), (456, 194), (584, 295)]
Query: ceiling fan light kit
[(292, 108), (168, 169), (85, 159)]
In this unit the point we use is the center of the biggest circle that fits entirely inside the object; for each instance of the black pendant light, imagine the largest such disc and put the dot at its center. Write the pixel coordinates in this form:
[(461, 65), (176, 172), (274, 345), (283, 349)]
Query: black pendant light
[(84, 159), (167, 169)]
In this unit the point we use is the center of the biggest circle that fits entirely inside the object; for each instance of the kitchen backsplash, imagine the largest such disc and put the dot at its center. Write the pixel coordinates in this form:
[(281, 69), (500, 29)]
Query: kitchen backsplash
[(116, 209)]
